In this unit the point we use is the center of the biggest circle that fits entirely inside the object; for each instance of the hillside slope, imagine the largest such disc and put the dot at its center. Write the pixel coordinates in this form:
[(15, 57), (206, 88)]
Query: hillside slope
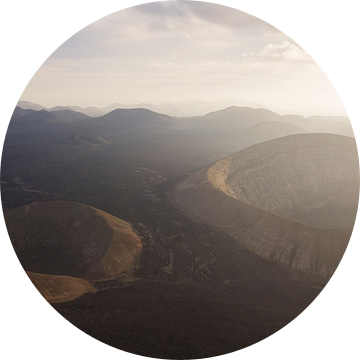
[(295, 176), (292, 199), (57, 288), (69, 240)]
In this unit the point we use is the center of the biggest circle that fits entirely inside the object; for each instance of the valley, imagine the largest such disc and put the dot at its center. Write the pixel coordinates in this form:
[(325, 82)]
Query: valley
[(195, 291)]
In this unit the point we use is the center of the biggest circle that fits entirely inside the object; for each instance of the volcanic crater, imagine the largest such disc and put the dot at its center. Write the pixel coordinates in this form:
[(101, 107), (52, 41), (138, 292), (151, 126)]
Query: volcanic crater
[(291, 199), (65, 247)]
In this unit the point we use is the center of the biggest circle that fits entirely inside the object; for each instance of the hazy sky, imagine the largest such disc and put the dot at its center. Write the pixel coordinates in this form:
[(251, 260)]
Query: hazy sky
[(178, 50)]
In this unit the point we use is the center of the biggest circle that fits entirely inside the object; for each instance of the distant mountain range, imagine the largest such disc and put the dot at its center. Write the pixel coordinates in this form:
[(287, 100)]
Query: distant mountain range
[(89, 111), (229, 129), (178, 109), (234, 120)]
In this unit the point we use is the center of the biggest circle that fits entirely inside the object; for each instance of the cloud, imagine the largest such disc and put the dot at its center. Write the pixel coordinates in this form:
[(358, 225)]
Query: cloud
[(170, 50), (285, 50), (171, 15)]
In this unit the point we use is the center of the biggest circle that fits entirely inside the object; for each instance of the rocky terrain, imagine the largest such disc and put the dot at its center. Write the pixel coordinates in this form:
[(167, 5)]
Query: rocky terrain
[(292, 199), (195, 290), (68, 245)]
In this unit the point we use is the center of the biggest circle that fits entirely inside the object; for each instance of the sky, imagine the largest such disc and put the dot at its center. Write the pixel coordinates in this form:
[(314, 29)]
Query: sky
[(180, 50)]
